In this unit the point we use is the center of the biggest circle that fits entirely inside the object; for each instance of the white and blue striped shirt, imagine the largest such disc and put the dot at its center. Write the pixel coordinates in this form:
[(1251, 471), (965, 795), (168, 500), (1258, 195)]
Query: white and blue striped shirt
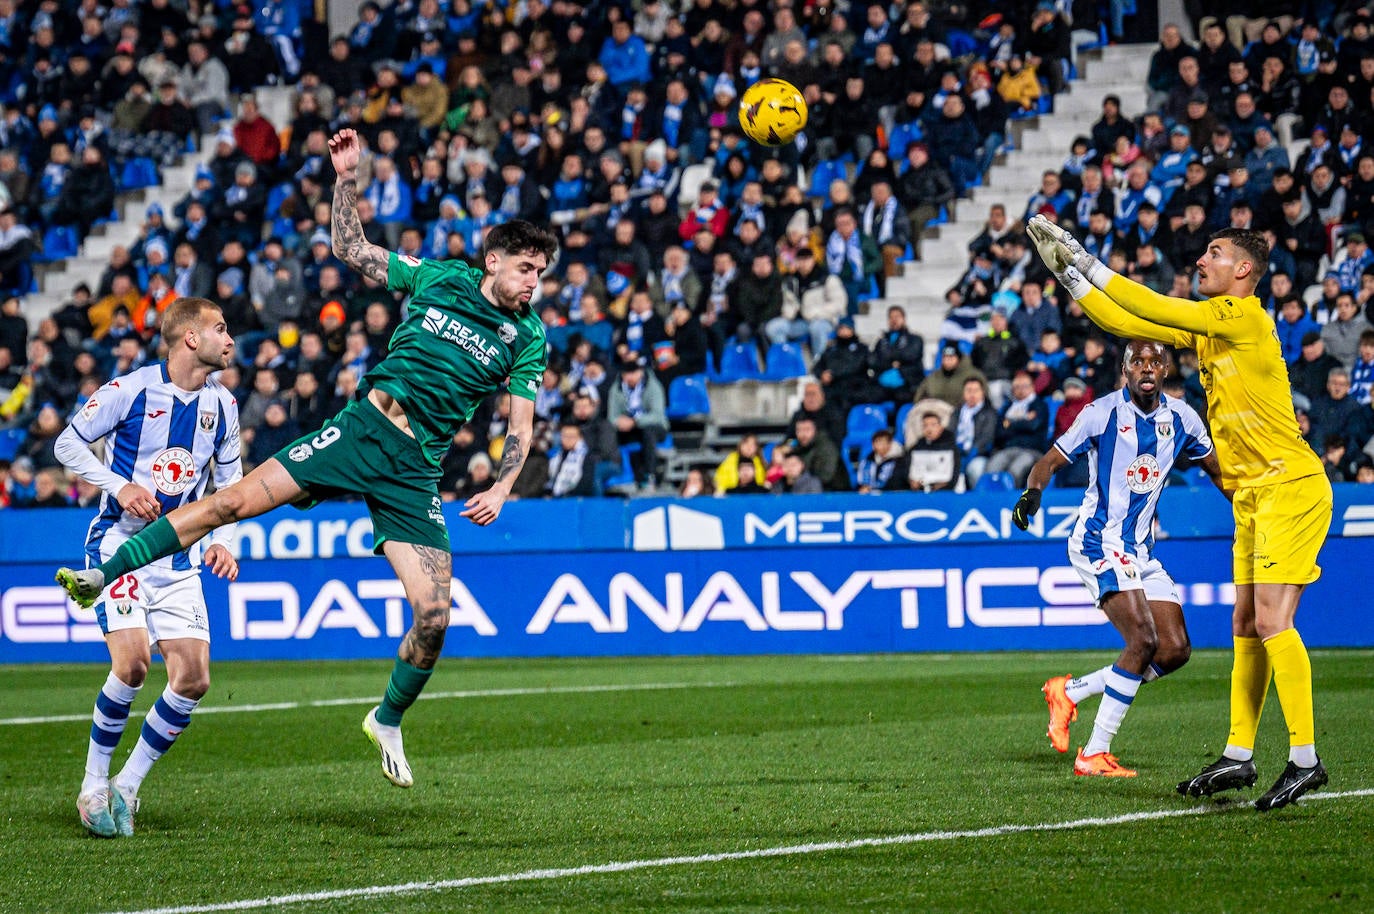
[(1130, 455), (162, 438)]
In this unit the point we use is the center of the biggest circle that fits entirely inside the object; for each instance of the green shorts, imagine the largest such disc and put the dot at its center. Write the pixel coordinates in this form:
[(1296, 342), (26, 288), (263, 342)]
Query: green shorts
[(360, 452)]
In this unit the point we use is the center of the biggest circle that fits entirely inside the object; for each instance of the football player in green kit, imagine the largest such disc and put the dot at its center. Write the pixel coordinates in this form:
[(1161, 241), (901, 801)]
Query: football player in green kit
[(467, 331)]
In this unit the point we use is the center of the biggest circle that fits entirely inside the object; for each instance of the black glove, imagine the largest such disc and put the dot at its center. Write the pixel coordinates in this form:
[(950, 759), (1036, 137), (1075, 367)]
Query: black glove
[(1025, 509)]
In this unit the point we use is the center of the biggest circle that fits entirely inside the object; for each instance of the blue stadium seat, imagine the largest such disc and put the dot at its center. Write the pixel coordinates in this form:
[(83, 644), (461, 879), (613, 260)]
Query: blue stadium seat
[(903, 135), (59, 243), (687, 397), (866, 418), (1053, 405), (995, 482), (11, 440), (138, 173), (274, 199), (626, 476), (784, 361), (738, 362), (900, 435), (821, 176)]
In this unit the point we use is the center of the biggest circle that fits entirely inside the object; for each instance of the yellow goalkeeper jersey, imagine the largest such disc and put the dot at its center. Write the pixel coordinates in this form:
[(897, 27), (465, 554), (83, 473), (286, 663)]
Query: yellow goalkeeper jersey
[(1249, 398)]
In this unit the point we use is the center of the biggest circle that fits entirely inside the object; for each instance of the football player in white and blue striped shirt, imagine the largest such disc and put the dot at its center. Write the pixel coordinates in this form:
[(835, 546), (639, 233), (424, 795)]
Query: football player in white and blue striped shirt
[(1132, 438), (164, 426)]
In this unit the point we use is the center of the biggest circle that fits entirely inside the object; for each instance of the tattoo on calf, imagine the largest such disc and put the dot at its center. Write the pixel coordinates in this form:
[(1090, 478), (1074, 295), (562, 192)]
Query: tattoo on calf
[(425, 639)]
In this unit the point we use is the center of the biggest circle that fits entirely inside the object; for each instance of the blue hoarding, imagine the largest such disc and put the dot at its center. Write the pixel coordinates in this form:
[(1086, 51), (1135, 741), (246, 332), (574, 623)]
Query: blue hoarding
[(732, 576)]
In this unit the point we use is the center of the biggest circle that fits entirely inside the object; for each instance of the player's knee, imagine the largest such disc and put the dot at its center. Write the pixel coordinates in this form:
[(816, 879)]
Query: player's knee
[(132, 671), (192, 684), (1170, 656), (1143, 640)]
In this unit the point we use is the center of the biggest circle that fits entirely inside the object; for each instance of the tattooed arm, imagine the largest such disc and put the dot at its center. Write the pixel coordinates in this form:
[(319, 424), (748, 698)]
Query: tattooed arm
[(350, 245), (485, 507)]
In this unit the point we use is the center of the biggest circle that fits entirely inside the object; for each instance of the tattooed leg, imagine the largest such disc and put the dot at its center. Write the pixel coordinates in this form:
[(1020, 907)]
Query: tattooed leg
[(425, 573)]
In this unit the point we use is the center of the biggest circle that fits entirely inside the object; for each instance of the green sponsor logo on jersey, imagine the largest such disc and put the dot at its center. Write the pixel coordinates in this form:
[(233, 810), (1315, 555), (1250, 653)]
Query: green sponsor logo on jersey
[(455, 331)]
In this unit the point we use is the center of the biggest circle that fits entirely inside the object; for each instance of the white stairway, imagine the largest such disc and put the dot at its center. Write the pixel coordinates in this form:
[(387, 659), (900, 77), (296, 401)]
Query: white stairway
[(57, 282), (1041, 143)]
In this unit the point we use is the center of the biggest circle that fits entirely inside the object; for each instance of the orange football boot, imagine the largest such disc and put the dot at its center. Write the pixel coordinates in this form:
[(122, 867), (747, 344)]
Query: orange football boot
[(1062, 712), (1100, 764)]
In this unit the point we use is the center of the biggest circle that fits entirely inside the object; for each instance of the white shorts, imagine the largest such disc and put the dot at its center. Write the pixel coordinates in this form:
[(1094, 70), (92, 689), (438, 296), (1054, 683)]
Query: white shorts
[(1117, 571), (168, 606)]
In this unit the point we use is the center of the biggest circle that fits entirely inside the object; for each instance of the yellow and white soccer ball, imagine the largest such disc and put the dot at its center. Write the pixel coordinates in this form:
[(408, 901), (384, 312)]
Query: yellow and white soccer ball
[(772, 112)]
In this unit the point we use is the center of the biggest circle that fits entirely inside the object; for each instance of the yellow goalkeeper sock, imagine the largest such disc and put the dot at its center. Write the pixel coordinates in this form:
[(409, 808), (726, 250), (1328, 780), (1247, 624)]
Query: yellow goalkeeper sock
[(1250, 673), (1293, 682)]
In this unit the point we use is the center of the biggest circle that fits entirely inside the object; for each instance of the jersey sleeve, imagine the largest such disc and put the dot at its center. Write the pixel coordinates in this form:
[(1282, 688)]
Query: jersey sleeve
[(103, 410), (1231, 318), (1082, 434), (408, 274), (528, 370), (1108, 314)]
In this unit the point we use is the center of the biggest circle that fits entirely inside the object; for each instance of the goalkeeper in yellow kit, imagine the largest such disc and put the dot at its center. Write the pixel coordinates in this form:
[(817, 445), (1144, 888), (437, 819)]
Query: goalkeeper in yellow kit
[(1282, 499)]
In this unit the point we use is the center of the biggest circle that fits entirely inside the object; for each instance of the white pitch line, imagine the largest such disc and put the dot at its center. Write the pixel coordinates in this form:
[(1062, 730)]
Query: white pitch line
[(412, 888), (372, 699)]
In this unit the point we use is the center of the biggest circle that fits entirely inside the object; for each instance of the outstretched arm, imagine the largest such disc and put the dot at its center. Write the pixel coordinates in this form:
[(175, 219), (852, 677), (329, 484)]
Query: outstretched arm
[(350, 245), (1112, 317), (1165, 310)]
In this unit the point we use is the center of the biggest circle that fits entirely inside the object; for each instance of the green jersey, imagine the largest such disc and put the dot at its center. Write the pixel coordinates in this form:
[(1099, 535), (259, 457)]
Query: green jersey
[(453, 350)]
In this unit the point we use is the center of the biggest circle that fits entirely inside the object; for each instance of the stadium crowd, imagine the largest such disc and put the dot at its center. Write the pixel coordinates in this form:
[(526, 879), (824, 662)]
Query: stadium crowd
[(684, 246)]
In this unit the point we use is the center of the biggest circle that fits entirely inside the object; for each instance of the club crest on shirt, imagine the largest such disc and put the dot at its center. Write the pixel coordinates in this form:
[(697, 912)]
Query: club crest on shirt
[(1164, 429), (173, 471), (207, 421), (300, 453), (1143, 474), (507, 333)]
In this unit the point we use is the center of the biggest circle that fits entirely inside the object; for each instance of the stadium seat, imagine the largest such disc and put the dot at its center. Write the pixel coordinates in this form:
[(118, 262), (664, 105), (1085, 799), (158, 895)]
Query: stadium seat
[(903, 135), (687, 397), (693, 176), (866, 418), (900, 435), (1053, 405), (138, 173), (59, 243), (821, 176), (738, 362), (11, 440), (626, 476), (784, 361), (995, 482)]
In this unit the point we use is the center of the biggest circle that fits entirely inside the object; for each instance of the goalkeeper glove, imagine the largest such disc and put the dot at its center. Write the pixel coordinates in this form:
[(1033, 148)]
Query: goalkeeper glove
[(1067, 251), (1026, 507)]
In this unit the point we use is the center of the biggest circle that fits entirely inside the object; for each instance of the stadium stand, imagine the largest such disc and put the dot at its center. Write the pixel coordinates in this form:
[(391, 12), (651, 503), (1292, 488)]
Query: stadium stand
[(150, 151)]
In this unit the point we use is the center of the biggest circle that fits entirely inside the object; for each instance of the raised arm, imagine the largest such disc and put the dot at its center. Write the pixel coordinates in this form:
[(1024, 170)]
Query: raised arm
[(1112, 317), (350, 245)]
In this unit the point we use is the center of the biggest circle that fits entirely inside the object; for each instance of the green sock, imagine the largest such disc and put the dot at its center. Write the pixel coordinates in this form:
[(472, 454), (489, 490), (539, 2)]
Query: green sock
[(154, 541), (407, 682)]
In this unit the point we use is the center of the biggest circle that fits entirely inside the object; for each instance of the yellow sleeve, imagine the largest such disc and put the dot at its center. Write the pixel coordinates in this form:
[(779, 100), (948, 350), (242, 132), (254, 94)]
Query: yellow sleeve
[(1112, 317), (1214, 317)]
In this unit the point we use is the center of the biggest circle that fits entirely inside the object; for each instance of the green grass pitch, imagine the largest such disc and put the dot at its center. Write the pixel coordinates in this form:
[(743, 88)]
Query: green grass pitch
[(532, 776)]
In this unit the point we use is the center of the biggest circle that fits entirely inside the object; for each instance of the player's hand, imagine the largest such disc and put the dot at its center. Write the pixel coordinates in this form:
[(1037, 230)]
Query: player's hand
[(139, 502), (345, 151), (1026, 507), (1042, 235), (221, 562), (484, 507)]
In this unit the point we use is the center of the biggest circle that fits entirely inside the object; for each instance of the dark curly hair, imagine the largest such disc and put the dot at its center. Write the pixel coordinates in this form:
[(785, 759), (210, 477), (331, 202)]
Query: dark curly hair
[(521, 237)]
